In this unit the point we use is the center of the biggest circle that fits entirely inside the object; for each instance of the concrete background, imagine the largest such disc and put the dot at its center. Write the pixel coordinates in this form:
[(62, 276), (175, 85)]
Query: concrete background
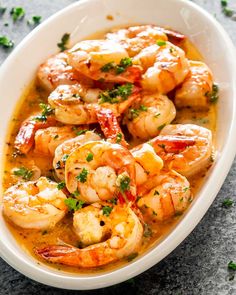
[(199, 265)]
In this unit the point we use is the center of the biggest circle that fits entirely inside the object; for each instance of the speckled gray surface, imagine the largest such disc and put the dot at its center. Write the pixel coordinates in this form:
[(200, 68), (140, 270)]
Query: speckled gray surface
[(199, 264)]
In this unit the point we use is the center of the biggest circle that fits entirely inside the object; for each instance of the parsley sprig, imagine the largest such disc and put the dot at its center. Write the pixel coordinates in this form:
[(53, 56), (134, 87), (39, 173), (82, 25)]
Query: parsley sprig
[(120, 68), (5, 42), (82, 177), (23, 172), (46, 111), (73, 204), (17, 13), (64, 42), (117, 94)]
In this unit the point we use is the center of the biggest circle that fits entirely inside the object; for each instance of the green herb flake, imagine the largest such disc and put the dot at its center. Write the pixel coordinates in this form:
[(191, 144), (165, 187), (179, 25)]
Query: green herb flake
[(157, 115), (134, 113), (156, 193), (124, 64), (161, 127), (147, 231), (113, 201), (73, 204), (5, 42), (64, 41), (161, 42), (106, 210), (162, 145), (107, 67), (35, 20), (56, 136), (61, 185), (224, 3), (154, 213), (64, 158), (131, 256), (76, 193), (214, 95), (185, 189), (17, 13), (23, 172), (82, 177), (124, 183), (232, 265), (2, 10), (227, 203), (116, 95), (80, 132), (89, 157), (227, 11), (119, 137)]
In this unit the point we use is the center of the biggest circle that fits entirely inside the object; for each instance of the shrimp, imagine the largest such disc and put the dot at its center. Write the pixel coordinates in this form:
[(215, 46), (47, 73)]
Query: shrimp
[(56, 71), (103, 60), (25, 136), (165, 195), (101, 170), (75, 104), (146, 118), (34, 204), (47, 140), (64, 149), (136, 38), (124, 239), (165, 66), (186, 148), (194, 91)]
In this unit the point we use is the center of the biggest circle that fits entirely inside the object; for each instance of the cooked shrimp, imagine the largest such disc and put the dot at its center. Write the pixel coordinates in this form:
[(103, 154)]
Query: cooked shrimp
[(164, 67), (25, 137), (146, 118), (56, 71), (100, 170), (103, 60), (47, 140), (165, 195), (34, 204), (186, 148), (194, 91), (125, 238), (75, 104), (64, 149)]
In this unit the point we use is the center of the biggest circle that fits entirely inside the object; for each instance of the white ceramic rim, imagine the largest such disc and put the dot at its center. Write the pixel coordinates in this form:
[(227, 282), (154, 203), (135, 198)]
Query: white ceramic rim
[(182, 230)]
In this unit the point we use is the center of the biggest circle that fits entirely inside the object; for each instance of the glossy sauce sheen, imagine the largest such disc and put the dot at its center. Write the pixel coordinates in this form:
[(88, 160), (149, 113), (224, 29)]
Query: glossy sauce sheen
[(29, 239)]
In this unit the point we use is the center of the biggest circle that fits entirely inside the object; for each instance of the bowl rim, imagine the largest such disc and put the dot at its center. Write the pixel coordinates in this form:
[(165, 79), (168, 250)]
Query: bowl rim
[(177, 235)]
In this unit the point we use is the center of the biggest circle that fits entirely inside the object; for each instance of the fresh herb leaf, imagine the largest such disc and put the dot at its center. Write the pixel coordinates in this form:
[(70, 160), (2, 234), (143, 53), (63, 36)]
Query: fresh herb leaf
[(227, 11), (61, 185), (131, 257), (119, 137), (73, 204), (227, 203), (113, 201), (64, 158), (107, 67), (186, 189), (120, 68), (35, 20), (106, 210), (76, 193), (224, 3), (23, 172), (161, 127), (82, 177), (124, 183), (17, 13), (157, 115), (147, 231), (232, 265), (214, 95), (89, 157), (117, 94), (161, 42), (2, 10), (6, 42), (80, 132), (64, 41), (46, 111), (134, 113)]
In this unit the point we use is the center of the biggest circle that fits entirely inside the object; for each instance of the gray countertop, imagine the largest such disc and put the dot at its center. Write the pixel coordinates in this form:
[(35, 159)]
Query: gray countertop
[(199, 264)]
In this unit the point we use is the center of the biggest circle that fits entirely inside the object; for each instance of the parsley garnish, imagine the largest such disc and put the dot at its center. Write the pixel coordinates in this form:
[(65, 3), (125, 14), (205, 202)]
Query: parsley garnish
[(214, 95), (131, 256), (161, 42), (124, 183), (106, 210), (185, 189), (73, 204), (89, 157), (23, 172), (64, 158), (232, 265), (17, 13), (147, 231), (61, 185), (227, 203), (2, 10), (35, 20), (76, 193), (80, 131), (46, 111), (82, 177), (118, 137), (117, 94), (161, 127), (134, 113), (113, 201), (64, 40), (107, 67), (120, 68), (5, 42)]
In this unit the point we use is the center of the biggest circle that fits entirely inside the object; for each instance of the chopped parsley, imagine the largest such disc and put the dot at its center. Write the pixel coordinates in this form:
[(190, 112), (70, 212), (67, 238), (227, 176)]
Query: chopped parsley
[(80, 132), (227, 203), (161, 42), (106, 210), (64, 41), (76, 193), (147, 231), (185, 189), (61, 185), (6, 42), (124, 183), (162, 145), (82, 177), (117, 94), (17, 13), (214, 95), (134, 113), (89, 157), (132, 256), (23, 172), (2, 10), (73, 204), (120, 68), (119, 137), (64, 158), (46, 111), (113, 201), (107, 67), (224, 3), (232, 265), (161, 127), (35, 20), (157, 115)]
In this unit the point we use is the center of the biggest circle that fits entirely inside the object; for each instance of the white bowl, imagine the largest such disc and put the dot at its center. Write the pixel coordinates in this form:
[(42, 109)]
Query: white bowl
[(84, 18)]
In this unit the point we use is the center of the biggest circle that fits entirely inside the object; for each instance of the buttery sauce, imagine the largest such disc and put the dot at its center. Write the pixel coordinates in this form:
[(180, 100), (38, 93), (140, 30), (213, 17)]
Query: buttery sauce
[(63, 231)]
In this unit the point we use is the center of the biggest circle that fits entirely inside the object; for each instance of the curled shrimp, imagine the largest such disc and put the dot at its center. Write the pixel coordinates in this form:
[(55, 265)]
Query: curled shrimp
[(103, 60), (34, 204), (63, 150), (25, 136), (165, 66), (101, 170), (124, 238), (147, 117), (75, 104), (56, 71), (193, 92), (165, 195), (186, 148), (47, 140)]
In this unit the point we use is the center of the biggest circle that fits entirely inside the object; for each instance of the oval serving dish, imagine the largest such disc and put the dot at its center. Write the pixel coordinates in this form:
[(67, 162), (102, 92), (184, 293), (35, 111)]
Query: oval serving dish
[(81, 20)]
